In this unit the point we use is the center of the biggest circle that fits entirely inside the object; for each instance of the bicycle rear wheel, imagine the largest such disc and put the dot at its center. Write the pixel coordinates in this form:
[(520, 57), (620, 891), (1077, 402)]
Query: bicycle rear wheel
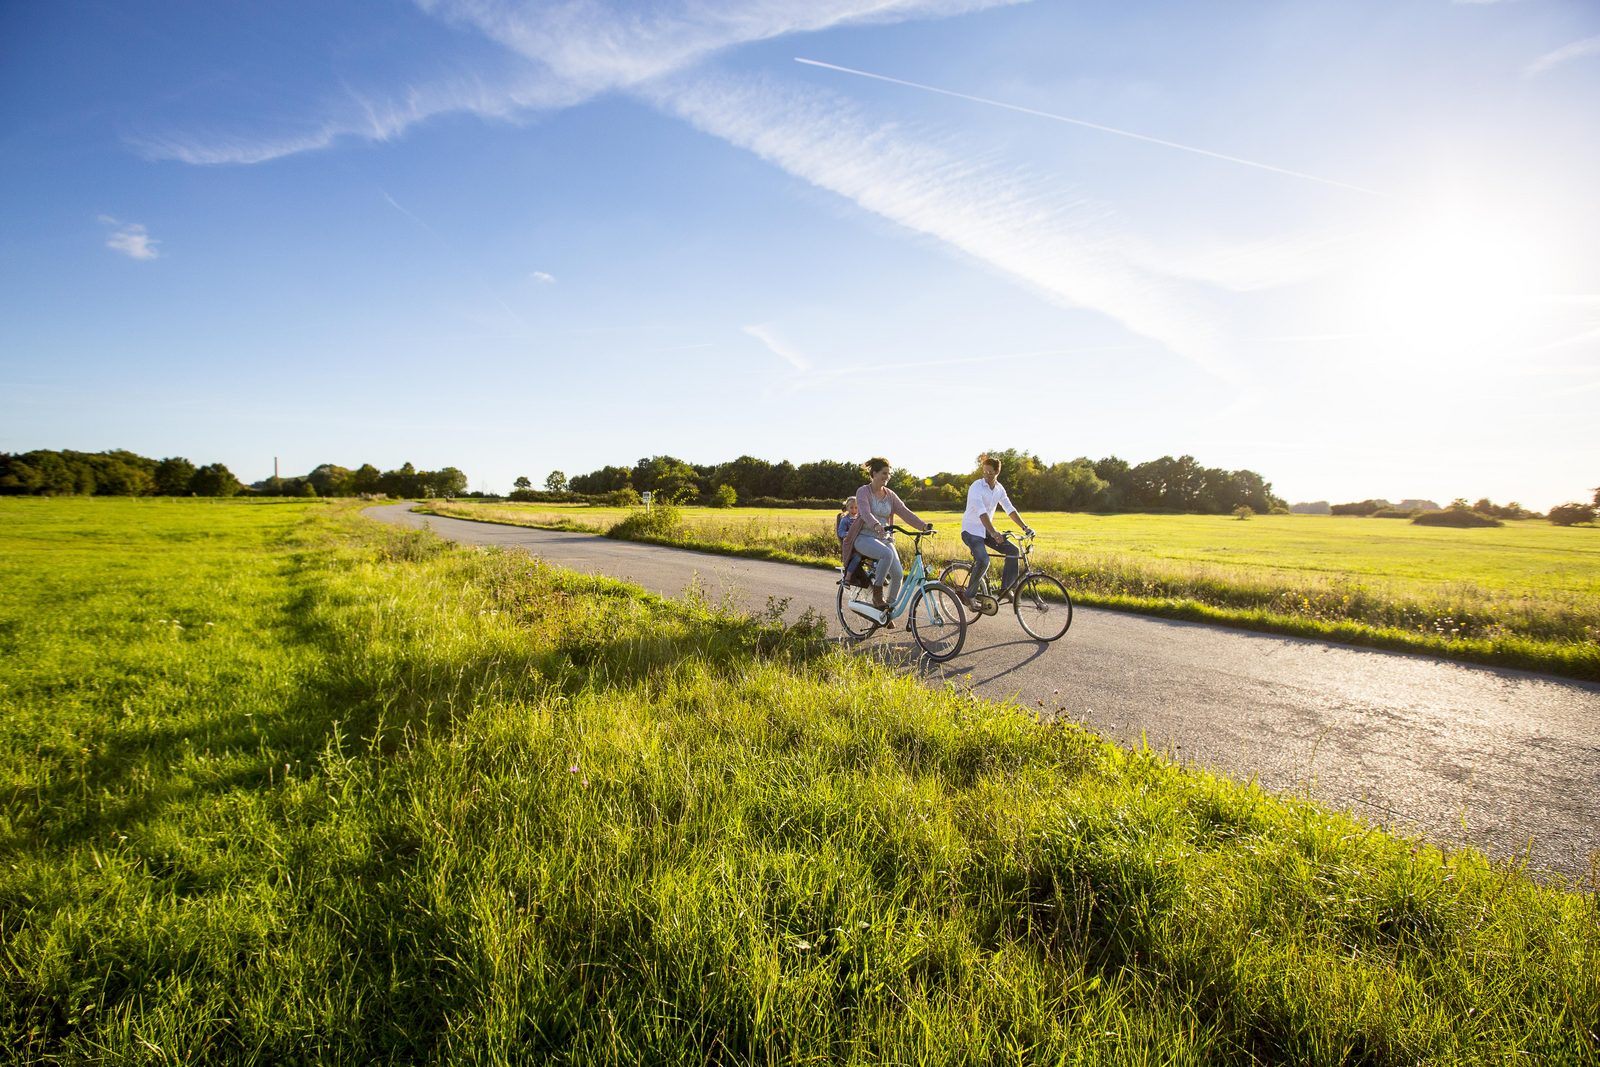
[(856, 626), (1043, 606), (955, 575), (937, 621)]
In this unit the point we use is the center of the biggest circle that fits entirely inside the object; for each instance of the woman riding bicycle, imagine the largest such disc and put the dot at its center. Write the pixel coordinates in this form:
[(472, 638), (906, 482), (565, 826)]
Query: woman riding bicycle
[(868, 535), (977, 528)]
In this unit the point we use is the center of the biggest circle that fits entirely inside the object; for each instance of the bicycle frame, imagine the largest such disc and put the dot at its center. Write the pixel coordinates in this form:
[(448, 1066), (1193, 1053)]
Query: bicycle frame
[(915, 579)]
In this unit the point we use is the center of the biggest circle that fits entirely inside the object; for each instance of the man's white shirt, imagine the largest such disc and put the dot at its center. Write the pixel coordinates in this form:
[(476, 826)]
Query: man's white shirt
[(981, 500)]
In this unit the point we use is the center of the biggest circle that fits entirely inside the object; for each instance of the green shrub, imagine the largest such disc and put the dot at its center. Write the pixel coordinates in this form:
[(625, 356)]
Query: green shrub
[(1363, 507), (660, 522), (1455, 517), (723, 496), (1568, 514), (626, 497), (1243, 512), (1395, 513)]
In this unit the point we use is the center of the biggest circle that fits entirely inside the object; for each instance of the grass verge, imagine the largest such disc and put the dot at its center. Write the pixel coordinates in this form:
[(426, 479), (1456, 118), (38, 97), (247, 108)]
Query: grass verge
[(277, 785)]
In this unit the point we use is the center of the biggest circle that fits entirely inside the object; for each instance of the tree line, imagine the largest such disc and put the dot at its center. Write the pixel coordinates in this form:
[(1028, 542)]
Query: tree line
[(1111, 484), (123, 473)]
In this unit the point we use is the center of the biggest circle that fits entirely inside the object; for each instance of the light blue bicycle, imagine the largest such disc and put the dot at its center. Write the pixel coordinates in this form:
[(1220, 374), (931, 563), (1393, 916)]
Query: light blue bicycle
[(936, 618)]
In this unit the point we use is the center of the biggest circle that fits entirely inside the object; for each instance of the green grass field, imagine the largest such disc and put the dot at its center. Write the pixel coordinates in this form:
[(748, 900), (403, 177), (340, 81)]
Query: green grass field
[(1524, 595), (278, 784)]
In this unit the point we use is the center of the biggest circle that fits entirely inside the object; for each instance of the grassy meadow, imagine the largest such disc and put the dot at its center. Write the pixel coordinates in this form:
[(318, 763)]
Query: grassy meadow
[(279, 784), (1526, 594)]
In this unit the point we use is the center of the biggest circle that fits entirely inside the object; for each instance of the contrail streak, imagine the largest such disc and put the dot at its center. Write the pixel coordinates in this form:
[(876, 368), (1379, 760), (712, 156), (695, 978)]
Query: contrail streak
[(1089, 125)]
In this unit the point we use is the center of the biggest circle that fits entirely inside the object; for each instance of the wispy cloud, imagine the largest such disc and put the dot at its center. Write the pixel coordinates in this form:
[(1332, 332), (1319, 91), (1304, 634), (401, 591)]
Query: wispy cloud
[(596, 45), (1053, 117), (1589, 46), (1058, 244), (131, 239), (778, 347), (543, 278), (558, 54)]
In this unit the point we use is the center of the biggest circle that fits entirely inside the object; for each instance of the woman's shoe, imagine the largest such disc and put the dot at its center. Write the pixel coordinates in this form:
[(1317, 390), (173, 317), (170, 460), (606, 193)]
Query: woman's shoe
[(877, 597)]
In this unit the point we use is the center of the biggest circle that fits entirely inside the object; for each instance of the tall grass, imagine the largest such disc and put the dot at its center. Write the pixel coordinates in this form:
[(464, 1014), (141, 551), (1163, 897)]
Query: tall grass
[(1526, 596), (402, 802)]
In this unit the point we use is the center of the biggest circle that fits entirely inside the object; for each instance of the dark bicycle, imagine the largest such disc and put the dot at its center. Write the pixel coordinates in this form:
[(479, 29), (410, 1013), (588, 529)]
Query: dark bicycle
[(1041, 602)]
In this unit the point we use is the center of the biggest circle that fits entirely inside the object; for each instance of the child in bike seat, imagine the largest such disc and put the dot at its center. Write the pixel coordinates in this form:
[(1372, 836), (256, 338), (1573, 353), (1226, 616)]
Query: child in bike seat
[(848, 509), (847, 514)]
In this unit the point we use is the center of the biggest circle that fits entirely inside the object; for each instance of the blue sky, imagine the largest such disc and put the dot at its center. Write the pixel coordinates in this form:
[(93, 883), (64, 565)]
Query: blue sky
[(1352, 245)]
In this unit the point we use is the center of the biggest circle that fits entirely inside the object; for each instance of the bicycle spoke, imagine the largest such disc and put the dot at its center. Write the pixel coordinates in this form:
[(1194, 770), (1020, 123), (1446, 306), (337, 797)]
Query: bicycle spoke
[(1043, 606), (937, 622)]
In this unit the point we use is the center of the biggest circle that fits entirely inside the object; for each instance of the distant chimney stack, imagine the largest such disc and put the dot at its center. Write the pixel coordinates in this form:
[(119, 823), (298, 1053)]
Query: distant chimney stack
[(274, 467)]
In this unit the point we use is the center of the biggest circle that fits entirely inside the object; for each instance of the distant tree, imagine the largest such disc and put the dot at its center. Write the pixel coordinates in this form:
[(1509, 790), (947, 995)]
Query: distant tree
[(668, 477), (116, 479), (173, 475), (1365, 507), (403, 481), (307, 488), (366, 479), (332, 480), (723, 496), (556, 482), (604, 480), (1597, 496), (448, 482), (522, 483), (1118, 476), (1570, 514), (122, 473), (826, 478), (1068, 487), (214, 479)]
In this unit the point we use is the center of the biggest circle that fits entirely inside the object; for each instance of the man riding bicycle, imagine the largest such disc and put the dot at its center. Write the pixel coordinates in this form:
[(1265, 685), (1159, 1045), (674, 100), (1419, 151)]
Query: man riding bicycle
[(977, 529)]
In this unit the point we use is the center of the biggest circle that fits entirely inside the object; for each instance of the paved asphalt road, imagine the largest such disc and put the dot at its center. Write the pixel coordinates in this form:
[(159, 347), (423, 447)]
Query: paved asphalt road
[(1504, 760)]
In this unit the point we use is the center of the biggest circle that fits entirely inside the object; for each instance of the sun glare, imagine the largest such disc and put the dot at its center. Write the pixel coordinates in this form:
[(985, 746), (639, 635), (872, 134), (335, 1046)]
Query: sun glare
[(1460, 281)]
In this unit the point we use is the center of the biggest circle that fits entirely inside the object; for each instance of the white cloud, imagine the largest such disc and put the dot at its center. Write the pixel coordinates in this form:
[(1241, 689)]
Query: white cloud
[(599, 45), (131, 239), (543, 278), (1060, 245), (778, 347), (1576, 50), (563, 53)]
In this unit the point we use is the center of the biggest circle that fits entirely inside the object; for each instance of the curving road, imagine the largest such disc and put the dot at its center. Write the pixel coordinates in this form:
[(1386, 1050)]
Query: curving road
[(1504, 760)]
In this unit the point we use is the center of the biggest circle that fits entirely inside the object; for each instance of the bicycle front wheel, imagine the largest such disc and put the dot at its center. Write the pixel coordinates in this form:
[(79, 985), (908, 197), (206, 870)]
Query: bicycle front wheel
[(937, 621), (956, 575), (1043, 606), (856, 626)]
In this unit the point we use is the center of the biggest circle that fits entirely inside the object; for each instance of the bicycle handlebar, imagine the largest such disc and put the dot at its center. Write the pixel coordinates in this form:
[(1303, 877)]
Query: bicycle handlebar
[(914, 533)]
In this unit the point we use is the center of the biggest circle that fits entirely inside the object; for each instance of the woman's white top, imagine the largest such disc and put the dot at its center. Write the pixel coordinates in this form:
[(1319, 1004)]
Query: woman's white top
[(882, 509)]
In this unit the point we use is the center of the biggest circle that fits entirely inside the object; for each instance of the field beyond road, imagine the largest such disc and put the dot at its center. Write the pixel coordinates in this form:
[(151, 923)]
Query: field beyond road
[(278, 784), (1525, 595)]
